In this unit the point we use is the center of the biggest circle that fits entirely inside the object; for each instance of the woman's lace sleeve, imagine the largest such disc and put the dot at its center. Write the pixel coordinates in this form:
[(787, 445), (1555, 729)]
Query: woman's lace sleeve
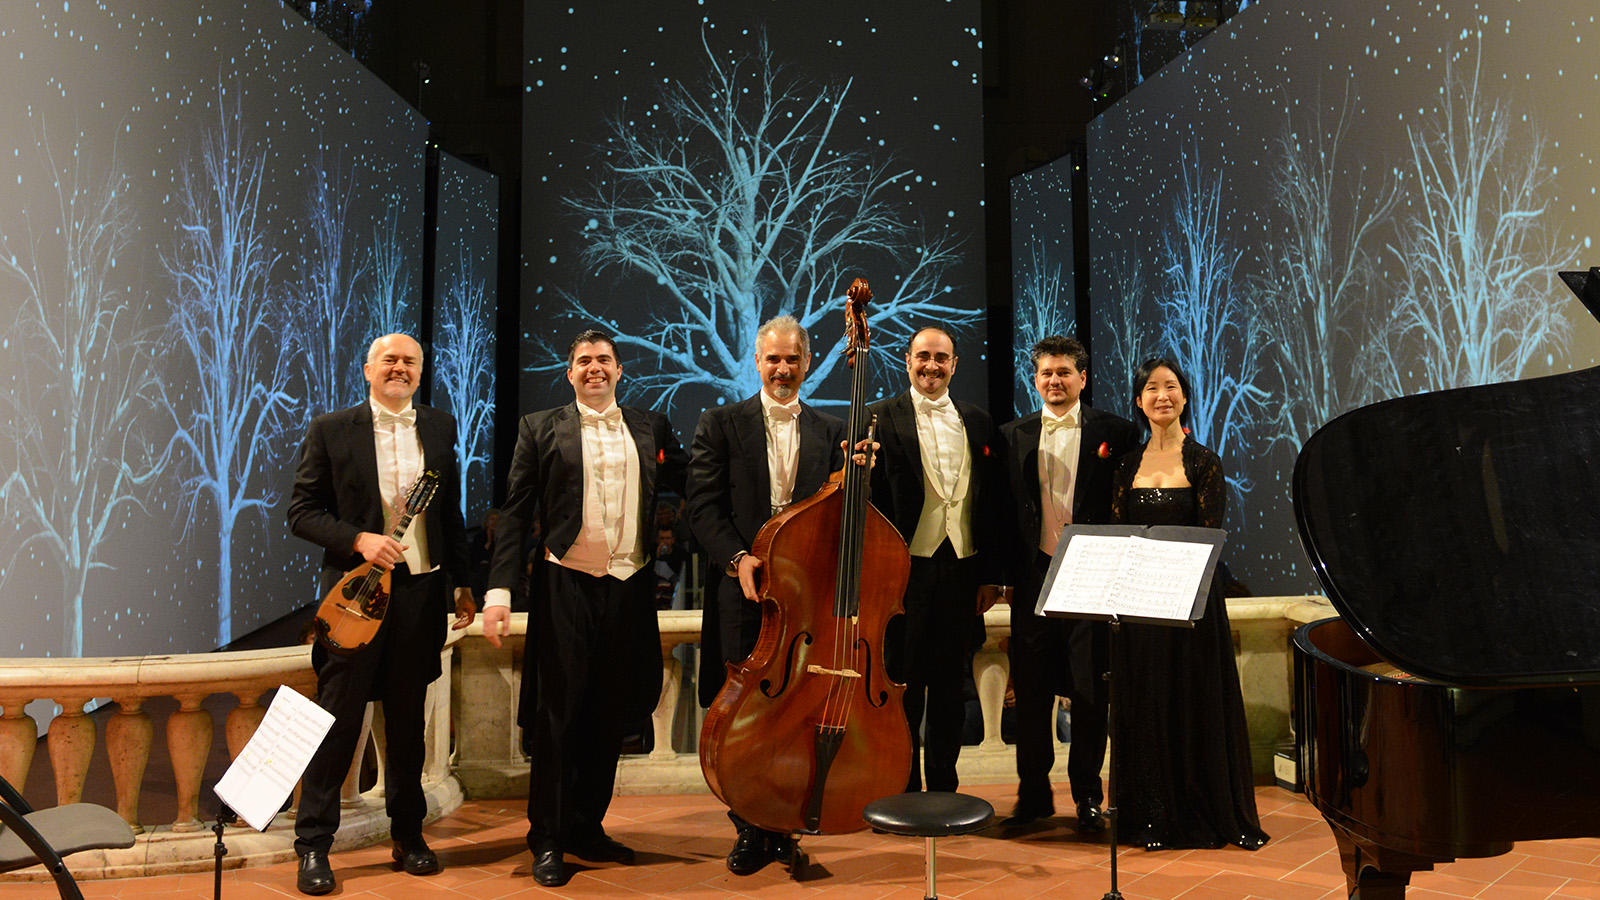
[(1210, 485)]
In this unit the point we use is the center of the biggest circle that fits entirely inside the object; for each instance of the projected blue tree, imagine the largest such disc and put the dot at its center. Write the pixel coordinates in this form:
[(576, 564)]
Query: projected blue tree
[(1478, 255), (464, 370), (1042, 308), (1128, 342), (387, 298), (742, 202), (75, 452), (1318, 291), (325, 332), (1205, 323), (229, 327)]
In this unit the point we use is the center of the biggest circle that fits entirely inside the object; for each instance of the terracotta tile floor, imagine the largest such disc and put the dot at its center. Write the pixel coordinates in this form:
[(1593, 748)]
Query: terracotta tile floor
[(681, 841)]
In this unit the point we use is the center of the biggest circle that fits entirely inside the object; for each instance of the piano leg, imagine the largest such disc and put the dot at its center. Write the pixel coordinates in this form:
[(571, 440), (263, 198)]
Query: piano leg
[(1376, 873)]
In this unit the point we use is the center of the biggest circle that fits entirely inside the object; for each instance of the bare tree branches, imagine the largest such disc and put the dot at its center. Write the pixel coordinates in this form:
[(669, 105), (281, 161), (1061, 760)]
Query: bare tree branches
[(75, 449), (464, 369), (1477, 252), (741, 203), (225, 320)]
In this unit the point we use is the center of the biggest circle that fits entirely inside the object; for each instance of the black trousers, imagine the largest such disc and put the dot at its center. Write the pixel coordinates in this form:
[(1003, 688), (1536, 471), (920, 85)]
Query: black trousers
[(584, 644), (930, 649), (388, 670), (1051, 657)]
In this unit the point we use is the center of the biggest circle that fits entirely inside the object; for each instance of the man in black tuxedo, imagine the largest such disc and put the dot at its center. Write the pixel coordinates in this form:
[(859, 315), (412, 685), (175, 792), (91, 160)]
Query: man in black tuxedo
[(939, 480), (750, 460), (589, 472), (1059, 463), (356, 466)]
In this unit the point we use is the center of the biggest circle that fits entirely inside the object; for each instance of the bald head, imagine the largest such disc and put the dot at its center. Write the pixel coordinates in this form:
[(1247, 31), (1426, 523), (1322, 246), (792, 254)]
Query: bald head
[(394, 370)]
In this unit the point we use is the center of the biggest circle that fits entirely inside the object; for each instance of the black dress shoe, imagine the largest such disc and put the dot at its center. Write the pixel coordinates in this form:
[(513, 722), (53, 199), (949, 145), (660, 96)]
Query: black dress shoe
[(750, 853), (602, 849), (316, 876), (549, 869), (1027, 813), (414, 857), (1090, 819)]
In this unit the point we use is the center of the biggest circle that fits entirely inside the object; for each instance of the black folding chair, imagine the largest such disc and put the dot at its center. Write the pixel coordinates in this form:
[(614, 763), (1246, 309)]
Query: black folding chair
[(29, 836)]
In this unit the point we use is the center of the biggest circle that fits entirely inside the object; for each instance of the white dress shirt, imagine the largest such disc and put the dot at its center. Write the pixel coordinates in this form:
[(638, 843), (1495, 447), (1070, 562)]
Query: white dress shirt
[(1060, 438), (400, 461), (783, 448), (946, 476)]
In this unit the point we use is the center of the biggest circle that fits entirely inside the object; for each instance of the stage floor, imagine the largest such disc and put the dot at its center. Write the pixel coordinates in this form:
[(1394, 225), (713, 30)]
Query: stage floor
[(681, 841)]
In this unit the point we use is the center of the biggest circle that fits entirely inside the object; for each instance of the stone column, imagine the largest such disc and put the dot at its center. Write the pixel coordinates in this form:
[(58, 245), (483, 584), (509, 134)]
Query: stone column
[(71, 744), (189, 746)]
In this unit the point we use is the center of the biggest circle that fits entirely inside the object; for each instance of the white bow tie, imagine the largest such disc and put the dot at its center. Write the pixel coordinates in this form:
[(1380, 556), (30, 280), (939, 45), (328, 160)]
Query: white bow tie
[(610, 417), (409, 417), (935, 406), (783, 412), (1052, 425)]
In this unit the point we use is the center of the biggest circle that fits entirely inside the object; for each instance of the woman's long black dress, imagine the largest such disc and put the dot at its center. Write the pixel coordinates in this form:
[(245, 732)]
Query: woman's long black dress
[(1181, 744)]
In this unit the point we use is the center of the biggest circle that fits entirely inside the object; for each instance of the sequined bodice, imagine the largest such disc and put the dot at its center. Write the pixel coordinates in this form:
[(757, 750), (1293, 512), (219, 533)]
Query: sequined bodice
[(1161, 506)]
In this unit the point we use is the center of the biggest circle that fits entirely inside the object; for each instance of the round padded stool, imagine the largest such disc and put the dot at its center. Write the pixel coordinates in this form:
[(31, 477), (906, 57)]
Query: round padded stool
[(929, 815)]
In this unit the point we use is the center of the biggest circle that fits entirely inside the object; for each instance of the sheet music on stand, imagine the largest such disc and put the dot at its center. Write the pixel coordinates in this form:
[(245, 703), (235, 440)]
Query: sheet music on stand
[(264, 774), (1134, 573)]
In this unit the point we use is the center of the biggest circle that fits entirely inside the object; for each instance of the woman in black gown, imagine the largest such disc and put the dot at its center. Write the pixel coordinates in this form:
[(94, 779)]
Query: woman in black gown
[(1181, 745)]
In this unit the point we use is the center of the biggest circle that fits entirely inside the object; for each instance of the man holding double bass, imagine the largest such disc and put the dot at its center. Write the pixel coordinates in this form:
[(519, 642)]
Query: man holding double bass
[(355, 468), (749, 461)]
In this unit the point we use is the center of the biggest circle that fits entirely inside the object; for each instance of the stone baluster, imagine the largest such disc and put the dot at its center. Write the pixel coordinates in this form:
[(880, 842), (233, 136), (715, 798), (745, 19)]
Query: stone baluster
[(18, 737), (243, 720), (129, 735), (379, 747), (189, 733), (667, 707), (71, 745), (991, 668)]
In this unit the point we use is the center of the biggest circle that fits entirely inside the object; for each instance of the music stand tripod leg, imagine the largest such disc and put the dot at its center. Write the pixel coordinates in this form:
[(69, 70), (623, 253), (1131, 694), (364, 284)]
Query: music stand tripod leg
[(1111, 774)]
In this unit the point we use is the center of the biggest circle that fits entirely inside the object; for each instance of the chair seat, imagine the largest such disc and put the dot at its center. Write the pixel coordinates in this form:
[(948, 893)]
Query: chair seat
[(929, 813), (68, 829)]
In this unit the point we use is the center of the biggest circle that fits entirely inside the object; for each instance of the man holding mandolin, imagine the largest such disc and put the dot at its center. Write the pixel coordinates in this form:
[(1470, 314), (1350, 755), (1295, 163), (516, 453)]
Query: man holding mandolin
[(356, 469), (588, 473)]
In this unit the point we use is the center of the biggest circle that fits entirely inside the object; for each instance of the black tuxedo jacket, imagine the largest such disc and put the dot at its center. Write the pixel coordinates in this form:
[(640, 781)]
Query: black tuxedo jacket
[(898, 486), (336, 493), (336, 496), (1091, 497), (546, 481), (730, 498), (546, 484)]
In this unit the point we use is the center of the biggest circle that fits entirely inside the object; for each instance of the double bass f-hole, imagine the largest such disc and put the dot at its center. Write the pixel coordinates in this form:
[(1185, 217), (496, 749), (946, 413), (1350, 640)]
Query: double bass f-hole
[(788, 667)]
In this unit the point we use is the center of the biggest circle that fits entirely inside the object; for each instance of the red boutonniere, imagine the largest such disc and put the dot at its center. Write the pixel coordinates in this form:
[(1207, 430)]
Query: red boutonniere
[(1105, 450), (661, 456), (1186, 429), (985, 449)]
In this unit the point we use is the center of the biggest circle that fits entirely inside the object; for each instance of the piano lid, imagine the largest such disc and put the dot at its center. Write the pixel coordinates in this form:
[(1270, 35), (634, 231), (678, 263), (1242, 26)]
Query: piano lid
[(1458, 532)]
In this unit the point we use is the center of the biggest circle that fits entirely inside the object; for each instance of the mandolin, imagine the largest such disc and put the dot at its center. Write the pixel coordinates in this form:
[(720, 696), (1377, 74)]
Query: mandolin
[(352, 613)]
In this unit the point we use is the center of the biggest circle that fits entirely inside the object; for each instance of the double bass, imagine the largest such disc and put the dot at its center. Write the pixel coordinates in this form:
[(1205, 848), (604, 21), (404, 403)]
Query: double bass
[(809, 729)]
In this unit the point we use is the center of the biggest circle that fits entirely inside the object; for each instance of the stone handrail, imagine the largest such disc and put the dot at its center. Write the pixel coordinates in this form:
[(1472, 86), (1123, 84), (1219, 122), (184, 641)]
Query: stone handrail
[(476, 698)]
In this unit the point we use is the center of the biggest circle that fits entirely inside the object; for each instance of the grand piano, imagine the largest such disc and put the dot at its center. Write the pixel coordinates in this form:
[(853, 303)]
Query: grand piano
[(1453, 708)]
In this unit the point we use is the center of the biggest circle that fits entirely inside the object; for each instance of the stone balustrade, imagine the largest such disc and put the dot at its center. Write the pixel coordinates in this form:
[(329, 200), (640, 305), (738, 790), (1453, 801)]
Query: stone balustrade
[(477, 699), (185, 844)]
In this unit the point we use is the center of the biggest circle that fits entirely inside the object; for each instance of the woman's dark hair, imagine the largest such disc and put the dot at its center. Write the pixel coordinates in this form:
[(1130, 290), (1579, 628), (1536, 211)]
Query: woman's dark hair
[(1141, 377)]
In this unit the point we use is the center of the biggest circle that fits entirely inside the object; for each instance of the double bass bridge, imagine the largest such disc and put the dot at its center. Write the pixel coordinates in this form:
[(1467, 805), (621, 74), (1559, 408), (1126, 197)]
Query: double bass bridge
[(815, 669)]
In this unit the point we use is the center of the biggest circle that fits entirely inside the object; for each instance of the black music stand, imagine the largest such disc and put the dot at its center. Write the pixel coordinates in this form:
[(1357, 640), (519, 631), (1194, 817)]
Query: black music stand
[(1104, 597)]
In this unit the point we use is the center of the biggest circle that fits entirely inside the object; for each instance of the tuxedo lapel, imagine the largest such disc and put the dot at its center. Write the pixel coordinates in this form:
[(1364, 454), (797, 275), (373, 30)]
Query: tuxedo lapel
[(1027, 453), (364, 452), (1091, 435), (811, 466), (750, 449), (903, 418), (644, 442)]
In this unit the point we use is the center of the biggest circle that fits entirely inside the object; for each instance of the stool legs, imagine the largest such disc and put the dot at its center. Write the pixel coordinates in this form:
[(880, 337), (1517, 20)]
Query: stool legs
[(933, 891)]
